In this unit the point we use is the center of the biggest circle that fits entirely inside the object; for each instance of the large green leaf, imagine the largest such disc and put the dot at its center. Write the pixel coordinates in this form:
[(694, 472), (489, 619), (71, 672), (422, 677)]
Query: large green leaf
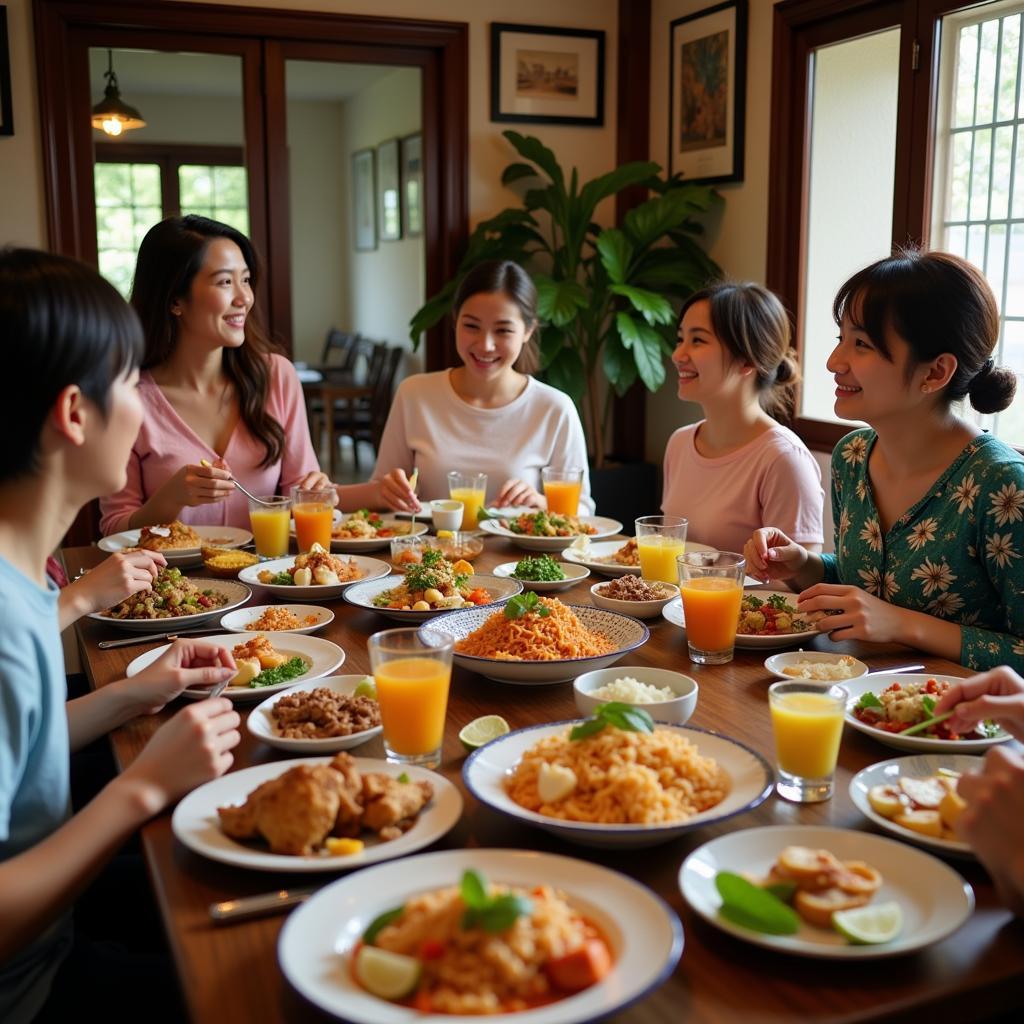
[(616, 252), (552, 341), (673, 270), (559, 301), (655, 309), (516, 171), (649, 221), (534, 150), (431, 313), (618, 364), (566, 373), (613, 182), (645, 345)]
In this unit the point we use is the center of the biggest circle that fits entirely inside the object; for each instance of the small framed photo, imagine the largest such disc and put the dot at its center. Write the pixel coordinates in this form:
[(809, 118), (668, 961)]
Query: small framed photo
[(708, 62), (6, 103), (412, 186), (389, 195), (545, 75), (364, 201)]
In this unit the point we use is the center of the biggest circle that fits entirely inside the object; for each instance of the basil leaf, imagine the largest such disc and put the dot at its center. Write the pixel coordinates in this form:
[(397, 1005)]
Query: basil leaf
[(381, 922), (755, 908), (637, 720), (868, 700), (473, 890), (588, 728), (524, 603), (503, 911)]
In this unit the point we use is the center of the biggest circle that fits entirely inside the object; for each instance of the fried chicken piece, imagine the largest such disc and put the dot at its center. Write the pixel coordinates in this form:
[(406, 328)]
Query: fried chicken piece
[(240, 822), (388, 801), (348, 822)]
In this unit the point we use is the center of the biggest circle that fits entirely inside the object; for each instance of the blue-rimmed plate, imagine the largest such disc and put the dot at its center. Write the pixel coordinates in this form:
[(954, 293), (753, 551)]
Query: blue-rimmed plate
[(750, 778), (318, 940)]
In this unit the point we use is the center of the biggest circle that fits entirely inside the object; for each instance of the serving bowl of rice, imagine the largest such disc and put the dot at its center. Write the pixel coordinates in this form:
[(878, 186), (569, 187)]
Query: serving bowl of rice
[(636, 789), (665, 695)]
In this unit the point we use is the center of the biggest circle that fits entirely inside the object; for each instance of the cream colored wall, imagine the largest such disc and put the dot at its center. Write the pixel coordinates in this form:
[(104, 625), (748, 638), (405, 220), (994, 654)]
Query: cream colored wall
[(200, 120)]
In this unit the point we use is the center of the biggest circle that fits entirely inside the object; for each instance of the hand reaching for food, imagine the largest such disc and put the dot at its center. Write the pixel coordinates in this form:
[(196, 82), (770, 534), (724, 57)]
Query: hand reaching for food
[(852, 613), (518, 492), (997, 695), (771, 555), (110, 582), (397, 493), (199, 485), (185, 664)]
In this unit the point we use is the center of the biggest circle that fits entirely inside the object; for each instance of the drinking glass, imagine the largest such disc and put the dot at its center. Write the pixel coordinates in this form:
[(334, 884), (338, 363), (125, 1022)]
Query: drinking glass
[(471, 490), (562, 489), (314, 516), (413, 669), (660, 540), (807, 720), (711, 586), (270, 518)]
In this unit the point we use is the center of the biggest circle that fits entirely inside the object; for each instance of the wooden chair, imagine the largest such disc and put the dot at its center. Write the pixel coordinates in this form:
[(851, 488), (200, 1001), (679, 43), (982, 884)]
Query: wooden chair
[(341, 345)]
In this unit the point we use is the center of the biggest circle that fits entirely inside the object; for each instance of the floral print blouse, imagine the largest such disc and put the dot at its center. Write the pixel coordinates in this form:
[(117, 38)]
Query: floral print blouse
[(957, 554)]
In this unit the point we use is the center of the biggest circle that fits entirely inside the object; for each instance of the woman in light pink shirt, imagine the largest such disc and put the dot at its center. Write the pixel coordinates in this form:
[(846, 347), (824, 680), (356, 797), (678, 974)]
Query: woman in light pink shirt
[(211, 387), (738, 469)]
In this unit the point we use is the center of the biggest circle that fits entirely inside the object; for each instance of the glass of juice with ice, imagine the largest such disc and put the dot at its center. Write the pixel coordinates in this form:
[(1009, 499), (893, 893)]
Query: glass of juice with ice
[(471, 490), (314, 516), (807, 720), (270, 518), (562, 488), (412, 668), (711, 586), (660, 540)]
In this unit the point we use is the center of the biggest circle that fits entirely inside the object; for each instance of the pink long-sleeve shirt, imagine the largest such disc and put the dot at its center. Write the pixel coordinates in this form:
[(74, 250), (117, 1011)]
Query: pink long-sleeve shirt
[(166, 443)]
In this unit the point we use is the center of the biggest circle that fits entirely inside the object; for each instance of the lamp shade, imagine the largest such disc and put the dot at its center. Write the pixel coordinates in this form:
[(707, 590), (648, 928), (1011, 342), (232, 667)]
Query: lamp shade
[(112, 115)]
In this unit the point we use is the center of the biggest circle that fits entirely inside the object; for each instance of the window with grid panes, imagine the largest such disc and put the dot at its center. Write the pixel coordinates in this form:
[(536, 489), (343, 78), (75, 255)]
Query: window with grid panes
[(128, 204)]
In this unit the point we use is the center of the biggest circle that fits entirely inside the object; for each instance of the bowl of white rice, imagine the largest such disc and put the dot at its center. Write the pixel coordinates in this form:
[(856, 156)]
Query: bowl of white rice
[(665, 695)]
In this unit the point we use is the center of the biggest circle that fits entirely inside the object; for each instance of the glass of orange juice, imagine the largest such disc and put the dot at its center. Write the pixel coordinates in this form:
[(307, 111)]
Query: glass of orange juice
[(562, 488), (660, 540), (807, 720), (314, 516), (270, 518), (471, 490), (711, 586), (412, 668)]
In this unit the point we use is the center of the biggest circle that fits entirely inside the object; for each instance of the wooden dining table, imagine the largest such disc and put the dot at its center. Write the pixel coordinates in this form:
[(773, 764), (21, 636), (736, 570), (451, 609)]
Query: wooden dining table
[(230, 973)]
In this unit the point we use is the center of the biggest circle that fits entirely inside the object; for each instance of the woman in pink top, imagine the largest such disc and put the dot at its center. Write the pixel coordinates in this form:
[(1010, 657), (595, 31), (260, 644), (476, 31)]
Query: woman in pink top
[(738, 468), (211, 387)]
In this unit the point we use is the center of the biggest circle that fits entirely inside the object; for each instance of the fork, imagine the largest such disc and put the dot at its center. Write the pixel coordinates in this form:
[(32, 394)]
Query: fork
[(259, 501)]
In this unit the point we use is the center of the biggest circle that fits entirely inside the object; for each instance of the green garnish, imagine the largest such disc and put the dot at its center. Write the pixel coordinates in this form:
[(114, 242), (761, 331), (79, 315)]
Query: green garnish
[(752, 907), (988, 728), (381, 922), (621, 716), (404, 777), (289, 670), (427, 573), (282, 579), (753, 603), (778, 601), (523, 604), (928, 703), (868, 700), (541, 569), (492, 913)]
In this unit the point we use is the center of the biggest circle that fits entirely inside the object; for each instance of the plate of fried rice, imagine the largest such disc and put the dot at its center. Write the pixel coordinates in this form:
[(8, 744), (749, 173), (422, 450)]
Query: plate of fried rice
[(278, 618), (484, 972), (632, 789), (538, 649)]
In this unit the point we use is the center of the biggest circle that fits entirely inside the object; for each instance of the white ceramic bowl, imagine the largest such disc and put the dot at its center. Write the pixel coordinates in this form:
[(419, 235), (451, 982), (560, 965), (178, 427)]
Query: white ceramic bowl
[(641, 609), (676, 711), (573, 574), (777, 662), (446, 514)]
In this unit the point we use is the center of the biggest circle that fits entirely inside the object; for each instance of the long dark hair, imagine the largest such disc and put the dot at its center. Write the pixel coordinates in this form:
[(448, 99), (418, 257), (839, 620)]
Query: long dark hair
[(61, 324), (937, 303), (509, 278), (752, 324), (170, 256)]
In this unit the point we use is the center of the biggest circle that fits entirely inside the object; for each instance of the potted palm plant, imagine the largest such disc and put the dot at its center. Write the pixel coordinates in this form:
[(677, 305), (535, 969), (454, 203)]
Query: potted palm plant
[(603, 293)]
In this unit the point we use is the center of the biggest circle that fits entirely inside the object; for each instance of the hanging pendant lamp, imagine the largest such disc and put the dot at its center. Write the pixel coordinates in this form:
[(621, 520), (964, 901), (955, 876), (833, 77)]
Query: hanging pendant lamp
[(112, 115)]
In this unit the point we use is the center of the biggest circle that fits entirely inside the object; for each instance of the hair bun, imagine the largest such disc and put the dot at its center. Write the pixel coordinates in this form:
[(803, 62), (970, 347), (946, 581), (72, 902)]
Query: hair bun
[(992, 388), (787, 371)]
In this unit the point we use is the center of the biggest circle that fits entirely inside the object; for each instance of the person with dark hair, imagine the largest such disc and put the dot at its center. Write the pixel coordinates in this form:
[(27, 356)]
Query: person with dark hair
[(73, 347), (738, 468), (487, 415), (929, 510), (212, 387)]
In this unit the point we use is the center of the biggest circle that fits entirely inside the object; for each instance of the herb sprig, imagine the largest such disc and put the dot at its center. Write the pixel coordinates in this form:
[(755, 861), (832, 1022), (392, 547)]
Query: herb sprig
[(755, 908), (524, 604), (491, 913), (619, 715)]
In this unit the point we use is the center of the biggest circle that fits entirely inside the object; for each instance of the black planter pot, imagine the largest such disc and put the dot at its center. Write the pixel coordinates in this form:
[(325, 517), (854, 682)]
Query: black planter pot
[(626, 491)]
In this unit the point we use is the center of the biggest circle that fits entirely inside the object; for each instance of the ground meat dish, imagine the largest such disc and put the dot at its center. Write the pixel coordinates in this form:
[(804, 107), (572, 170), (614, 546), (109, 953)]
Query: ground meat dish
[(321, 714), (632, 588)]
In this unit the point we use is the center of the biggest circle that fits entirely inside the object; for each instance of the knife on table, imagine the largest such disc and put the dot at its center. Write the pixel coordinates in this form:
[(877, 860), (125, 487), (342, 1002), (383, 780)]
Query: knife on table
[(105, 645), (246, 907)]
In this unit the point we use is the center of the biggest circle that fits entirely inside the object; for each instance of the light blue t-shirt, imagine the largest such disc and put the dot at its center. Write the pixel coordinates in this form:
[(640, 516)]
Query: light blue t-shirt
[(34, 767)]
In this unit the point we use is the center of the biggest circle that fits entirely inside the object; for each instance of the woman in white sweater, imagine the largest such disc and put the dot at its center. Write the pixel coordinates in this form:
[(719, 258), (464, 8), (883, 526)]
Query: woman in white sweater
[(487, 415)]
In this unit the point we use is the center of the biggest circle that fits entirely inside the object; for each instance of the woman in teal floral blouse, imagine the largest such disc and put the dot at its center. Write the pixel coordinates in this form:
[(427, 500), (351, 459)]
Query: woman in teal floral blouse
[(929, 512)]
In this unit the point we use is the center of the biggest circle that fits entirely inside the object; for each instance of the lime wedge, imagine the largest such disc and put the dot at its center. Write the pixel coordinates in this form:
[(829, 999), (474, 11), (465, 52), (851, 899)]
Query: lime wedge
[(869, 925), (385, 974), (483, 730), (366, 688)]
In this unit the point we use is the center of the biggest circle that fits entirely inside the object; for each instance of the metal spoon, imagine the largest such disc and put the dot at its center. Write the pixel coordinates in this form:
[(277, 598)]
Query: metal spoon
[(259, 501)]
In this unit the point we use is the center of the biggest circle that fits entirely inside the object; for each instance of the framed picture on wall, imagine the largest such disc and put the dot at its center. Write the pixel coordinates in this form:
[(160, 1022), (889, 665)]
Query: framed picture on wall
[(6, 104), (389, 194), (708, 68), (545, 75), (364, 201), (412, 186)]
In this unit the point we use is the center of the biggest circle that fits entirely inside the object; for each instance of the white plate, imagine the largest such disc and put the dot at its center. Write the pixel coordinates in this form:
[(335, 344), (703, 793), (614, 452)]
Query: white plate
[(607, 548), (573, 574), (673, 611), (322, 656), (605, 528), (238, 621), (918, 767), (236, 593), (318, 938), (486, 770), (212, 536), (877, 682), (934, 899), (640, 609), (372, 568), (357, 544), (626, 632), (362, 595), (777, 662), (261, 723), (195, 821)]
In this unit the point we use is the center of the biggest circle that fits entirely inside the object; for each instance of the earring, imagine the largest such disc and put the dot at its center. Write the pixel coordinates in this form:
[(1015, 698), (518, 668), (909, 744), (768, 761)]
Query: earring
[(925, 389)]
